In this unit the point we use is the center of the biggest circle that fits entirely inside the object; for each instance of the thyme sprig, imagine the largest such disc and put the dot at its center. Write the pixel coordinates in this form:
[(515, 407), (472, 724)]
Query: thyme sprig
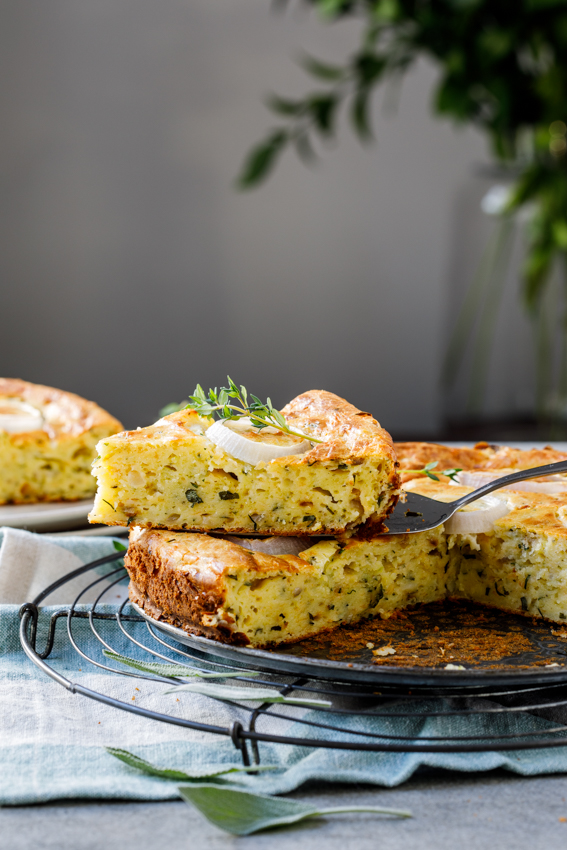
[(450, 473), (262, 414)]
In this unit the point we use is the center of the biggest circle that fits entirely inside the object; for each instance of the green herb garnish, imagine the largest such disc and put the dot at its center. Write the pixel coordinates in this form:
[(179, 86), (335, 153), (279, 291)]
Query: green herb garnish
[(132, 760), (243, 813), (450, 473), (231, 809), (226, 494), (262, 415), (170, 671)]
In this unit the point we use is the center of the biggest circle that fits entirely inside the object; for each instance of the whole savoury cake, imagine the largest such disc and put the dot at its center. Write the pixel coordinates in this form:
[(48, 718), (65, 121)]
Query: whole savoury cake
[(339, 473), (47, 442)]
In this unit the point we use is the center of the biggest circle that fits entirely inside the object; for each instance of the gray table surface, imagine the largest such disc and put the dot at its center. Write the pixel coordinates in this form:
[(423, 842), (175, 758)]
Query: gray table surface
[(450, 810)]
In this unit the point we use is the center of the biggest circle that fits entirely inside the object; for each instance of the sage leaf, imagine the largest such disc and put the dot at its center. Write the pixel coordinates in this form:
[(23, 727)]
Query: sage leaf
[(211, 689), (262, 159), (171, 671), (323, 109), (283, 106), (360, 115), (242, 812), (179, 775), (322, 70)]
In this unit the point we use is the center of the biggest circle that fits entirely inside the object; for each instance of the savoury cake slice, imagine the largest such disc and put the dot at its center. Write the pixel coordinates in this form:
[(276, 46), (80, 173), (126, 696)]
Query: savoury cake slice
[(520, 565), (47, 442), (171, 475), (216, 588)]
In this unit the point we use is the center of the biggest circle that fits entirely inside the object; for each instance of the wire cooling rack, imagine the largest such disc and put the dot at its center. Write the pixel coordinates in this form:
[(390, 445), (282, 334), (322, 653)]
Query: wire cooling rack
[(348, 700)]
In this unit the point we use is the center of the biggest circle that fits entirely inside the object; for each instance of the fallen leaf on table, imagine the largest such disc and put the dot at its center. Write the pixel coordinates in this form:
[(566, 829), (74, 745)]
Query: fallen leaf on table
[(242, 813)]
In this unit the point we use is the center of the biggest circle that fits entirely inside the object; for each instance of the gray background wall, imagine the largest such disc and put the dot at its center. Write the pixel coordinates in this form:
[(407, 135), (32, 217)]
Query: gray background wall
[(130, 268)]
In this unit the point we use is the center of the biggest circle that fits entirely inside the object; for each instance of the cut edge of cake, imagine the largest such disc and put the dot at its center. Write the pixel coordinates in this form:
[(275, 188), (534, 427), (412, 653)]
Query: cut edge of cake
[(219, 589)]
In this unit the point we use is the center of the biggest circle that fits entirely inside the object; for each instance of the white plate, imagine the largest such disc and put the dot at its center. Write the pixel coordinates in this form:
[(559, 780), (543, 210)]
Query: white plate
[(47, 516)]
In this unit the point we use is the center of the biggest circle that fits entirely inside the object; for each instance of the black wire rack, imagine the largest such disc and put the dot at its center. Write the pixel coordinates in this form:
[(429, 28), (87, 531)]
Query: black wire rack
[(347, 700)]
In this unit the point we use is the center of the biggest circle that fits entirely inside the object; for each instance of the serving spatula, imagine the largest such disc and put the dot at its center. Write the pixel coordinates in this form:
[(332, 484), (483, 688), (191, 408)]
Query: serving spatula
[(420, 513)]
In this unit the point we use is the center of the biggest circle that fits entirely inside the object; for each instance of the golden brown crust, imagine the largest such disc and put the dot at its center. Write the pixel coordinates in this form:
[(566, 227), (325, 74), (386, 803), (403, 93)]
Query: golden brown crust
[(505, 457), (181, 575), (414, 456), (66, 414), (349, 433), (191, 625), (483, 456), (205, 559)]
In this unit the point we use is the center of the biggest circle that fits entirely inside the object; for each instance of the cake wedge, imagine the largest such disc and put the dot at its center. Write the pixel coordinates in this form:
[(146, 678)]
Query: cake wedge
[(172, 475), (47, 443), (217, 588), (520, 564)]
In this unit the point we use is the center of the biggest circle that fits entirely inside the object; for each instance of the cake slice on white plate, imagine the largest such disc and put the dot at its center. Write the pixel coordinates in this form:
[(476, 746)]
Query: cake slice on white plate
[(47, 443)]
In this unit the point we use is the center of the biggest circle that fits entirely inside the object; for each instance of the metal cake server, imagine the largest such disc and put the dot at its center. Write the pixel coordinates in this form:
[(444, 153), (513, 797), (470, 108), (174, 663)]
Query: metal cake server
[(420, 513)]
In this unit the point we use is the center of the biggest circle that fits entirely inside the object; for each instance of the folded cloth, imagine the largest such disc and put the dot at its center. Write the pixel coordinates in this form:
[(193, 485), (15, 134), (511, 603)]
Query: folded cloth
[(52, 742), (31, 562)]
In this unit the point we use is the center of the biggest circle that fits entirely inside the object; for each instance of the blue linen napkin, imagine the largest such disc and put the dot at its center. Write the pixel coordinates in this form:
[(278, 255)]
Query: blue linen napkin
[(52, 741)]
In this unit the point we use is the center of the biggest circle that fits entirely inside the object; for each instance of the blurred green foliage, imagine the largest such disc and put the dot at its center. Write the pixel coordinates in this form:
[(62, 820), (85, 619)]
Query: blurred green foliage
[(503, 68)]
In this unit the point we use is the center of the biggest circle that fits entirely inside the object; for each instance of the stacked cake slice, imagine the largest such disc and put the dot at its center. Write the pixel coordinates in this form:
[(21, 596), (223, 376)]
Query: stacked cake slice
[(179, 478)]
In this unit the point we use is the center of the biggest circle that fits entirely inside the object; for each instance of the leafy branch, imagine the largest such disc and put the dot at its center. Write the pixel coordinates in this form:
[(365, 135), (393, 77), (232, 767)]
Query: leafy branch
[(261, 414), (503, 69), (316, 115)]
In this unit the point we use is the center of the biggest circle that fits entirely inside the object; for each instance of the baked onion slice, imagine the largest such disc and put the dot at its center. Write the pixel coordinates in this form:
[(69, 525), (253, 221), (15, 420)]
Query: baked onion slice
[(552, 485), (18, 417), (240, 439), (273, 545), (478, 517)]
